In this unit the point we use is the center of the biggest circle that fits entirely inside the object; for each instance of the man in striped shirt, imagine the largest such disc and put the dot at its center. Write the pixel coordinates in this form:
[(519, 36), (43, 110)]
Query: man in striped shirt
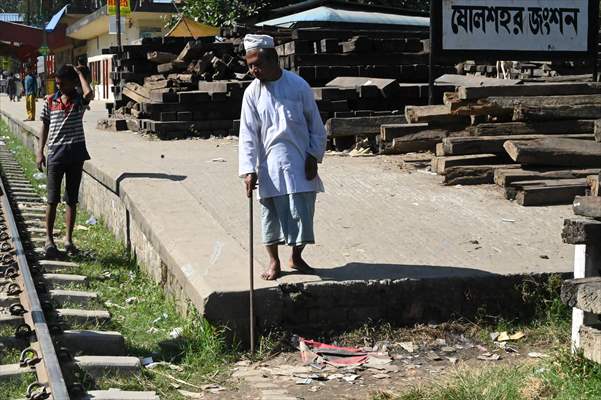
[(62, 115)]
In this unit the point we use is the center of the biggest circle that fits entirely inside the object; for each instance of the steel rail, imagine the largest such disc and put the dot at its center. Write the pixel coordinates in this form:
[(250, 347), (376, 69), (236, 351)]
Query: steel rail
[(49, 360)]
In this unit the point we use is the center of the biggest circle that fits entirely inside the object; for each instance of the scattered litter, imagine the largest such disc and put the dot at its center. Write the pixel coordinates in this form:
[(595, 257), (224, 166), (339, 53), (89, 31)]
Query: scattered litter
[(534, 354), (314, 389), (517, 336), (503, 337), (381, 376), (176, 332), (305, 381), (174, 367), (481, 348), (505, 346), (350, 378), (243, 363), (452, 360), (409, 347), (218, 159), (109, 303), (441, 342), (213, 388), (191, 395), (152, 330), (489, 357), (38, 176), (81, 228), (494, 336), (131, 300), (147, 360), (160, 318), (335, 376), (448, 349), (42, 187), (508, 220), (377, 362), (316, 352), (91, 221), (107, 275)]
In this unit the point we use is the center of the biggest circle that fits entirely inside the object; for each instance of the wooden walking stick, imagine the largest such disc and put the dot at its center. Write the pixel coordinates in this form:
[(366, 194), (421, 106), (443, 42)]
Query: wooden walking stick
[(252, 283)]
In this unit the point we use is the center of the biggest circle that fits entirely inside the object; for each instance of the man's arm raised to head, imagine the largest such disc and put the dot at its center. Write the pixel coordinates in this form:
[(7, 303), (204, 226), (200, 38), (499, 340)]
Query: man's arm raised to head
[(87, 92)]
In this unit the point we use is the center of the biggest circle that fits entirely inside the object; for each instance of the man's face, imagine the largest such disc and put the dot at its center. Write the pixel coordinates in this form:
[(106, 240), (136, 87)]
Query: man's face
[(65, 86), (256, 64)]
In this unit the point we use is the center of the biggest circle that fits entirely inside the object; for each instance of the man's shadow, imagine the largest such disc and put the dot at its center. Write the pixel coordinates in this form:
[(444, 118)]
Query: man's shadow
[(357, 271), (148, 175)]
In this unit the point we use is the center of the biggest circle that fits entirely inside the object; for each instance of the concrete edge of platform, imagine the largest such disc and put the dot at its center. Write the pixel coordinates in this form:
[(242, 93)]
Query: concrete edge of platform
[(306, 308)]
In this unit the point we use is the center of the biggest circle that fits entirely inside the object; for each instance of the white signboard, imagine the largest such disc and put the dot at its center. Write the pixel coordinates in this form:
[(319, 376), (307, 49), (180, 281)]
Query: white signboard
[(526, 25)]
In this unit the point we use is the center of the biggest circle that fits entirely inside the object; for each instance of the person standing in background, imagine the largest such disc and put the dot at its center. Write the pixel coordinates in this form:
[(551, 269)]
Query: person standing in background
[(31, 92), (11, 87)]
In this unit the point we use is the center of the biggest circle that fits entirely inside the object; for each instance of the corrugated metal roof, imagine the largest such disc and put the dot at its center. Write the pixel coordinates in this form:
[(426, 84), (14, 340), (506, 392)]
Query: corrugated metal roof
[(328, 14), (51, 25), (11, 17)]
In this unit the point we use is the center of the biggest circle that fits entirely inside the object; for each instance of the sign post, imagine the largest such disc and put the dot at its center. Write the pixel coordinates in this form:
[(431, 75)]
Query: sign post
[(515, 30), (118, 11)]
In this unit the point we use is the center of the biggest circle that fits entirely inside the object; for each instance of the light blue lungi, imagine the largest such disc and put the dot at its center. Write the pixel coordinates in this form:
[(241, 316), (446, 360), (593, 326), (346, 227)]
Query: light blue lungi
[(288, 219)]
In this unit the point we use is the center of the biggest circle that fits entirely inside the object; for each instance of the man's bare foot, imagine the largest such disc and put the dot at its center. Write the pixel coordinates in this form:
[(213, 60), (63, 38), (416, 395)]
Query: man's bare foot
[(301, 265), (273, 272)]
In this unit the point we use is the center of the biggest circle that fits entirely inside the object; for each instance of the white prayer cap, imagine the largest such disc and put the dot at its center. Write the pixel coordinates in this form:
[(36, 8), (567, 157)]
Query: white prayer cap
[(258, 42)]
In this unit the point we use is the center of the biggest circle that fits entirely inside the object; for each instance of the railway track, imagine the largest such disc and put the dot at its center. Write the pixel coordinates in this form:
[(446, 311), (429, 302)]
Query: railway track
[(57, 324)]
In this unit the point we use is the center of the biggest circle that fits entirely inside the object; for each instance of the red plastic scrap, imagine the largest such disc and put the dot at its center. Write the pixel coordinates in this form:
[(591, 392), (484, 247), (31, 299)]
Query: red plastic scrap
[(334, 355)]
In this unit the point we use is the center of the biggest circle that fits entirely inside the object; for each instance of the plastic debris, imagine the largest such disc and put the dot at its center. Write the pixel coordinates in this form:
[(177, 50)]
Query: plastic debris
[(91, 221), (320, 353), (452, 360), (350, 378), (508, 220), (38, 176), (176, 332), (489, 357), (131, 300), (304, 381), (409, 347), (147, 360)]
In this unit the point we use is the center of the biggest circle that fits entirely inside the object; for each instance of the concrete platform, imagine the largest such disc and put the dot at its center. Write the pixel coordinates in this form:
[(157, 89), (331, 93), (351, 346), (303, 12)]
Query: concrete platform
[(391, 244)]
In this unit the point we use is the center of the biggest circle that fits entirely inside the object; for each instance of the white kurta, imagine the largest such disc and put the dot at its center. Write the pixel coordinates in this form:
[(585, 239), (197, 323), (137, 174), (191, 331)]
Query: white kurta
[(280, 124)]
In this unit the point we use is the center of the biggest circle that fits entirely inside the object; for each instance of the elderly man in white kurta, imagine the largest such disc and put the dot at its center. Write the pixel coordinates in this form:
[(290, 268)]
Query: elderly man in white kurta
[(282, 139)]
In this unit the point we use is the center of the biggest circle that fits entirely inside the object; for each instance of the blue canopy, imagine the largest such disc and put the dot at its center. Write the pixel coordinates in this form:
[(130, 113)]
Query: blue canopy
[(51, 25), (328, 14)]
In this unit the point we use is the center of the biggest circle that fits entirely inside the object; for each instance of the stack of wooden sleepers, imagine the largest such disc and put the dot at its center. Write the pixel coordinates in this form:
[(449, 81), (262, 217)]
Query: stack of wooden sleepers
[(531, 70), (540, 142), (321, 55), (180, 89)]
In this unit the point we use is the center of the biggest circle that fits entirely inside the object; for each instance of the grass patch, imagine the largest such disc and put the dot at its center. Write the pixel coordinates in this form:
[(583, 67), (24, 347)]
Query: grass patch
[(563, 377), (15, 388), (139, 308)]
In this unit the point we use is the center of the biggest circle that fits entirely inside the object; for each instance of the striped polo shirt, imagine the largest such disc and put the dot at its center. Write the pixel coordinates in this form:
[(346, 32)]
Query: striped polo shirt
[(66, 139)]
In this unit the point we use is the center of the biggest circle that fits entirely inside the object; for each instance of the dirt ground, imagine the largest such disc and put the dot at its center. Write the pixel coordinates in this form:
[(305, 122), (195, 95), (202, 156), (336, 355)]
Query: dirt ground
[(414, 357)]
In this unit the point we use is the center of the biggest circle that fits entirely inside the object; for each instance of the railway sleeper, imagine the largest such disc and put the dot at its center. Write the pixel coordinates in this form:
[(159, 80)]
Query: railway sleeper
[(116, 394), (97, 366), (11, 371), (81, 342)]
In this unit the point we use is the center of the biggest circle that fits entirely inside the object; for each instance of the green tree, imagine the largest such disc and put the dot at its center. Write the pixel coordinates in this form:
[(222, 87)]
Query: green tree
[(221, 12)]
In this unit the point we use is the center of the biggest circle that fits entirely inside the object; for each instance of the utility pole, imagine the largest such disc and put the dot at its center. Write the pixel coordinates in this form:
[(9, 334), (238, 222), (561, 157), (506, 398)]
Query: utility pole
[(118, 18)]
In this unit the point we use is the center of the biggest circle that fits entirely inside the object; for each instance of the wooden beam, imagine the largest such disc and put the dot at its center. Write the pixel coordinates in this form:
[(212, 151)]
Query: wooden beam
[(507, 177), (560, 151), (535, 89), (437, 114), (556, 112), (441, 164), (588, 206), (357, 126), (533, 128), (581, 230), (491, 144), (545, 192), (590, 343), (593, 184), (582, 293), (473, 174)]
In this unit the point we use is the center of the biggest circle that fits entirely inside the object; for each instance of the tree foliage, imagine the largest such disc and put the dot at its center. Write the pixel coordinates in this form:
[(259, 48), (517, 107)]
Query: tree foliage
[(222, 12)]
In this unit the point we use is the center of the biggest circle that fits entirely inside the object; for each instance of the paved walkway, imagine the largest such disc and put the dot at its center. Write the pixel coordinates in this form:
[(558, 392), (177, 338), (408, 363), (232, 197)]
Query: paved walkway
[(375, 221)]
